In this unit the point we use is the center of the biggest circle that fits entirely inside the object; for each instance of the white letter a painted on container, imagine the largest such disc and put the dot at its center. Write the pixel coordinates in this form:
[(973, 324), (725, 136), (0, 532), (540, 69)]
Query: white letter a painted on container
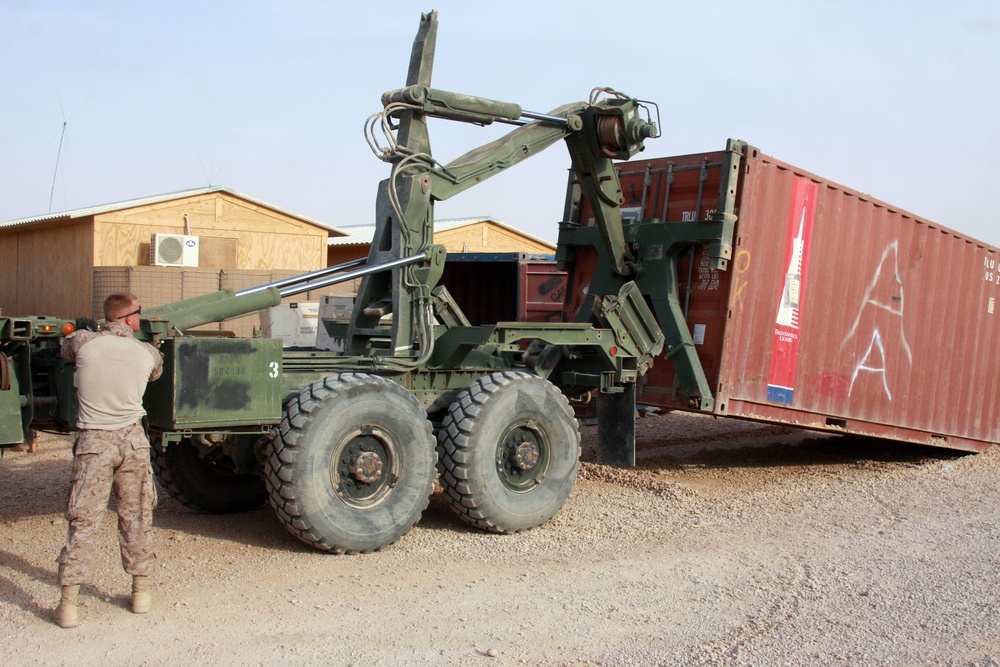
[(867, 364)]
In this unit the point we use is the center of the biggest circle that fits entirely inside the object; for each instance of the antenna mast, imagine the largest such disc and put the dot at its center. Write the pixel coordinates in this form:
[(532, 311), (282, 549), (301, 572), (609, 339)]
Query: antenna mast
[(54, 173)]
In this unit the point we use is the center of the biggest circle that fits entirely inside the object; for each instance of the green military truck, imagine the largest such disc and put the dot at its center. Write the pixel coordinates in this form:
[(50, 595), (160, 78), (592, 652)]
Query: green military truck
[(346, 445)]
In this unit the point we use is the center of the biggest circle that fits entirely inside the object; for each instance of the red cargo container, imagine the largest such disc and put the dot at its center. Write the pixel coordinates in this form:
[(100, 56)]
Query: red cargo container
[(505, 287), (837, 312)]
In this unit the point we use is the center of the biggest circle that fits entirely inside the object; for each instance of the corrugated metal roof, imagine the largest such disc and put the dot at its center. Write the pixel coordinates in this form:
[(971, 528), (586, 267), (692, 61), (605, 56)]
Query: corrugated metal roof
[(363, 234), (157, 199)]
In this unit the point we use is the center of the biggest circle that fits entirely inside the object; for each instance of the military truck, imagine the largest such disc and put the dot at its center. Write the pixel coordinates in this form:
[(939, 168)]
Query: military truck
[(347, 445)]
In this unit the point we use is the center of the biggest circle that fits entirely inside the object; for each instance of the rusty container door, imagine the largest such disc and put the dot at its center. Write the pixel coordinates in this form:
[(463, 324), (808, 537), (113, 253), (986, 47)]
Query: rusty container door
[(505, 287), (837, 312), (541, 291)]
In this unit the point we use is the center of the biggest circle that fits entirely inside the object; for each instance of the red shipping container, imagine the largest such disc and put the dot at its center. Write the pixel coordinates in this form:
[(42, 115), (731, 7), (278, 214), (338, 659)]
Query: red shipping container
[(505, 287), (837, 311)]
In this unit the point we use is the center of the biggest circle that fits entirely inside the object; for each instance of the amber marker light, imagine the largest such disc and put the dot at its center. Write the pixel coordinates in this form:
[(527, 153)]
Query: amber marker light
[(68, 328)]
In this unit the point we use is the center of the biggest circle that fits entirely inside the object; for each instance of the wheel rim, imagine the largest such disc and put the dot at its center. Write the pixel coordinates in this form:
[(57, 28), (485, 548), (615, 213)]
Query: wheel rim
[(522, 456), (365, 467)]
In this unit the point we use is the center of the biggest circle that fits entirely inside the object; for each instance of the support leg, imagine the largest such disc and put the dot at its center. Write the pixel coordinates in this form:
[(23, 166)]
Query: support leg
[(616, 427)]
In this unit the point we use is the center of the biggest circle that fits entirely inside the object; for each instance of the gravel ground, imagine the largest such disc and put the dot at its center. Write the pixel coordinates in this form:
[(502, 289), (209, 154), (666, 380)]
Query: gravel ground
[(731, 543)]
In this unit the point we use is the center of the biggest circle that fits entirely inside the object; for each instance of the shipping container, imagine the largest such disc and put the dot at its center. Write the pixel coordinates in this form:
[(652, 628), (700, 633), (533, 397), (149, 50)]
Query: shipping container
[(505, 287), (837, 312)]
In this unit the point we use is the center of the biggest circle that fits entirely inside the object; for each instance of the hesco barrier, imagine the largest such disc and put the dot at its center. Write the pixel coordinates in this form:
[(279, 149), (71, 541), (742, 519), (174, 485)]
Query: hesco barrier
[(838, 312), (157, 285)]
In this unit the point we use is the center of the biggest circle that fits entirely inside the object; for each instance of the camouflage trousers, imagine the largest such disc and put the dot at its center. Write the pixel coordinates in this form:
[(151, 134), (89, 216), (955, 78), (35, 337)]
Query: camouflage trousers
[(104, 461)]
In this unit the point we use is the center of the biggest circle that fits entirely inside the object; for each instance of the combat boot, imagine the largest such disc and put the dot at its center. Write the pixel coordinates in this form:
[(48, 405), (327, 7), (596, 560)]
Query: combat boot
[(67, 615), (142, 598)]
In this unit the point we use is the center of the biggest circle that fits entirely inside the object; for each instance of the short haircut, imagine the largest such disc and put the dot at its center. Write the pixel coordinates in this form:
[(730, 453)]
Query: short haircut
[(117, 304)]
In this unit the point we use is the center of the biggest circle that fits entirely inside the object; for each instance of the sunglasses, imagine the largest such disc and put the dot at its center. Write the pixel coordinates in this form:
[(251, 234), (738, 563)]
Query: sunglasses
[(137, 311)]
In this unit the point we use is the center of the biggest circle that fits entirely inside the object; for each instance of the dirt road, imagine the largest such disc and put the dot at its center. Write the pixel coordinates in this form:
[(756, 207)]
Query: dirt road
[(730, 544)]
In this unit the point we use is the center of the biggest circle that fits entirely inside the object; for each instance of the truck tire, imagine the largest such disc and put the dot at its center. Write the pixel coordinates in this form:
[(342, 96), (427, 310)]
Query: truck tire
[(206, 484), (508, 452), (352, 466)]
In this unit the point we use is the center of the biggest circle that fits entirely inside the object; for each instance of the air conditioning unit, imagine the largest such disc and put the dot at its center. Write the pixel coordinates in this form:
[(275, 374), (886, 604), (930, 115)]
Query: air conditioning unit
[(173, 250)]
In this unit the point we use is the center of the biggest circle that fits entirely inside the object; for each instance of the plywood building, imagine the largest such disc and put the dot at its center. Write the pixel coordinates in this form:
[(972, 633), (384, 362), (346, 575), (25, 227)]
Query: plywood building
[(56, 264), (464, 235)]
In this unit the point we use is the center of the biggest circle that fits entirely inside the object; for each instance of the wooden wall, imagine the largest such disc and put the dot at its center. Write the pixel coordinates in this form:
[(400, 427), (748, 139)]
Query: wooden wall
[(238, 234), (47, 270), (482, 237), (338, 254), (8, 273), (487, 237)]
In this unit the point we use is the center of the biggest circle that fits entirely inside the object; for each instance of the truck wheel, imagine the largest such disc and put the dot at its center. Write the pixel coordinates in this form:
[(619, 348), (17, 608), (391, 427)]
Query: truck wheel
[(352, 466), (205, 484), (508, 452)]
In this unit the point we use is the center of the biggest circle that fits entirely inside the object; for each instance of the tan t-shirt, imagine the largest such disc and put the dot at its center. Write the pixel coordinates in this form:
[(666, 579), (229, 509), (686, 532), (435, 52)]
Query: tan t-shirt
[(112, 369)]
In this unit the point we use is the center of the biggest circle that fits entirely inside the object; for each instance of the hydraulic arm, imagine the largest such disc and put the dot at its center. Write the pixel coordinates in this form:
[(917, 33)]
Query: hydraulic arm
[(596, 132)]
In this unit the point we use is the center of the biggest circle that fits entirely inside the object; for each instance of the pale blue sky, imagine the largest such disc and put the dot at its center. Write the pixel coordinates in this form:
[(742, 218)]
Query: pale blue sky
[(897, 99)]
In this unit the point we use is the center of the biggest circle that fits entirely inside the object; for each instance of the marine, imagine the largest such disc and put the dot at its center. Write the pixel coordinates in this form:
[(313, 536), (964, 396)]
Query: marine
[(111, 453)]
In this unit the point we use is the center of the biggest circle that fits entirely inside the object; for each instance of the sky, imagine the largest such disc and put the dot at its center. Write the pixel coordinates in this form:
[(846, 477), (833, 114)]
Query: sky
[(103, 102)]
